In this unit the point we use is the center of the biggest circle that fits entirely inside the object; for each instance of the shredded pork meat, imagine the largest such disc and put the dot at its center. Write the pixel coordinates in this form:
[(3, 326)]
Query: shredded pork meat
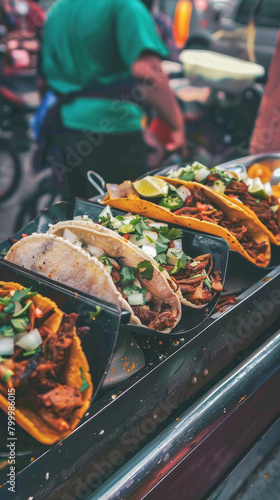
[(262, 208), (197, 206)]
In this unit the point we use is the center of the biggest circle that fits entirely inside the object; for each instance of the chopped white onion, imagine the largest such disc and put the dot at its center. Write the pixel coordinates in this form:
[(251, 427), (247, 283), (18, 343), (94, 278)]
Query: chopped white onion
[(268, 188), (6, 346), (149, 250), (18, 307), (116, 223), (137, 283), (157, 225), (136, 299), (183, 192), (30, 341), (274, 208), (106, 211), (172, 255), (114, 263), (96, 251), (178, 244), (70, 236), (219, 186), (201, 174), (139, 242), (150, 234)]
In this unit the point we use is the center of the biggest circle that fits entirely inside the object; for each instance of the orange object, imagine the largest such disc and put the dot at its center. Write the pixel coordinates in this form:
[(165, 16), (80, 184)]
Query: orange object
[(276, 190), (258, 170), (181, 24)]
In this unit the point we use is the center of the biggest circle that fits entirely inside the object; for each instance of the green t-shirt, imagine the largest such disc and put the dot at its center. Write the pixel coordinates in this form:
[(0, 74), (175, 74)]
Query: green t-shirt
[(94, 43)]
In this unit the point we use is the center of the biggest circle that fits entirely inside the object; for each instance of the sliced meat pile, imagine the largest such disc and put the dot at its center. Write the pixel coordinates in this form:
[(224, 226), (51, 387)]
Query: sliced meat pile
[(198, 207), (41, 380), (157, 320), (192, 286)]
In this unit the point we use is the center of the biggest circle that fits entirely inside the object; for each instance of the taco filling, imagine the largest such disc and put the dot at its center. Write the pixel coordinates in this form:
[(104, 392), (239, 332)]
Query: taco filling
[(164, 245), (127, 280), (259, 199), (34, 357), (197, 205)]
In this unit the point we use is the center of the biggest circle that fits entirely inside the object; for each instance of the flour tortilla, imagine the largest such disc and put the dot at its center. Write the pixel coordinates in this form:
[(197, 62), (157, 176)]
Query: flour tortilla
[(62, 261)]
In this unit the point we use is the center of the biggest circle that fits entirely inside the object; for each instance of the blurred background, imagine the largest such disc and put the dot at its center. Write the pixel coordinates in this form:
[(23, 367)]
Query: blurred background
[(218, 102)]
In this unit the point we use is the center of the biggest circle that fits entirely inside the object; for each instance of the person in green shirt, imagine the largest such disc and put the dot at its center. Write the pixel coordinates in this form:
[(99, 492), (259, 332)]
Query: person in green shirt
[(102, 57)]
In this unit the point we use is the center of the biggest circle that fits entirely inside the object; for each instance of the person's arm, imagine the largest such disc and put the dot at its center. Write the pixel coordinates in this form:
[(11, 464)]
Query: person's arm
[(156, 90)]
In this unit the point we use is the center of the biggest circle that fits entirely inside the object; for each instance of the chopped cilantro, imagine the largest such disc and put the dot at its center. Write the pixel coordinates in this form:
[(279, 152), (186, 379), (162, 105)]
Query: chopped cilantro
[(4, 252), (85, 385), (10, 308), (106, 262), (162, 239), (20, 324), (161, 259), (4, 301), (160, 268), (106, 221), (181, 262), (171, 234), (119, 217), (128, 274), (223, 176), (187, 175), (141, 226), (23, 294), (161, 247), (93, 315), (146, 269)]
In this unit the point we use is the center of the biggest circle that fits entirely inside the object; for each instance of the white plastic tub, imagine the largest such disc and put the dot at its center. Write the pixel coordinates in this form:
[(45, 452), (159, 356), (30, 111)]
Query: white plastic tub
[(220, 71)]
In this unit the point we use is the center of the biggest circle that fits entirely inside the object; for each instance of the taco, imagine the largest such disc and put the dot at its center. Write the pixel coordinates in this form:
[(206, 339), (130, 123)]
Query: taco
[(42, 363), (103, 266), (254, 197), (193, 279), (197, 207)]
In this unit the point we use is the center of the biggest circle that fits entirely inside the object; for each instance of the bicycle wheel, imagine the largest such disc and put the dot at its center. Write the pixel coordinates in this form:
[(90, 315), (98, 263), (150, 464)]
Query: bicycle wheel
[(35, 205), (10, 170)]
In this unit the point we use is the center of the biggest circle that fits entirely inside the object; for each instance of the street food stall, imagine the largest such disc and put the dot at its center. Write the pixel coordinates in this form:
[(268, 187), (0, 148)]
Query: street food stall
[(180, 393)]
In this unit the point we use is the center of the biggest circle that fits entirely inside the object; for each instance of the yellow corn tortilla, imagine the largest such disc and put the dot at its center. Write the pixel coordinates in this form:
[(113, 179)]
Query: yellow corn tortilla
[(30, 421), (127, 199), (238, 203)]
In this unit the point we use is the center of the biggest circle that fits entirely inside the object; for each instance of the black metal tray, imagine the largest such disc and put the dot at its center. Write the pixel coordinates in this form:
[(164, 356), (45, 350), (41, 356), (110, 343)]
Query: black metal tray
[(98, 344), (275, 250), (194, 244)]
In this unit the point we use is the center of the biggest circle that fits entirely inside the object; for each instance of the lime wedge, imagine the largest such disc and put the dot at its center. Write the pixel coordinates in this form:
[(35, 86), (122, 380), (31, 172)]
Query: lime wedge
[(257, 189), (151, 187)]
